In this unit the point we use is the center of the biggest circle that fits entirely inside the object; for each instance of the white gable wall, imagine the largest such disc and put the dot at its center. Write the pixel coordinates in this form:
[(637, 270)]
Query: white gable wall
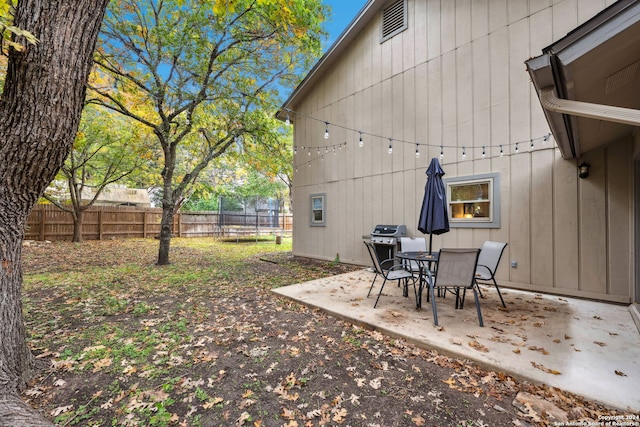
[(457, 77)]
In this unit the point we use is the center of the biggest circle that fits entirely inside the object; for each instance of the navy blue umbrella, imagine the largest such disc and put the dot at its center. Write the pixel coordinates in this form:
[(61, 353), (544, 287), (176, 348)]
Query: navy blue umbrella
[(434, 218)]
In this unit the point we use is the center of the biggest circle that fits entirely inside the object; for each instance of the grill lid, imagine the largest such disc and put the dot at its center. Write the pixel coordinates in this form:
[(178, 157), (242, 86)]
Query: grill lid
[(389, 230)]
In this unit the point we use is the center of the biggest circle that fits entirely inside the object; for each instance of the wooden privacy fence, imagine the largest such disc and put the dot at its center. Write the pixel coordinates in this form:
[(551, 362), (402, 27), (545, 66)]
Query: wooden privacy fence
[(47, 222)]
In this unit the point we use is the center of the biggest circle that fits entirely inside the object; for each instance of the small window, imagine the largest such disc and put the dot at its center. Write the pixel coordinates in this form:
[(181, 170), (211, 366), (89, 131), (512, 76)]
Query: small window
[(474, 201), (318, 210), (394, 19)]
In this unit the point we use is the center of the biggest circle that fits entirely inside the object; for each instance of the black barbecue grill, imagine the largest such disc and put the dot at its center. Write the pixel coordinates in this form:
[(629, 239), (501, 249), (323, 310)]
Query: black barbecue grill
[(386, 239)]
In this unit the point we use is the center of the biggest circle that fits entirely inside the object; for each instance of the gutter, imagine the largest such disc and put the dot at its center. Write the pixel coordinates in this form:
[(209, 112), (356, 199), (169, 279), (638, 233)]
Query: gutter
[(551, 102)]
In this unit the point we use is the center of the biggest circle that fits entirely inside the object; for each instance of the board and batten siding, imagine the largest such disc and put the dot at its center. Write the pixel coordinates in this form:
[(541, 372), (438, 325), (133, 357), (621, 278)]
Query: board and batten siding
[(457, 77)]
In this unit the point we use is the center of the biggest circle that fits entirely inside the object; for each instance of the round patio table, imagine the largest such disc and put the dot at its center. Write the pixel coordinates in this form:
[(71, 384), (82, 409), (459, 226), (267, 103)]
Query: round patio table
[(426, 263)]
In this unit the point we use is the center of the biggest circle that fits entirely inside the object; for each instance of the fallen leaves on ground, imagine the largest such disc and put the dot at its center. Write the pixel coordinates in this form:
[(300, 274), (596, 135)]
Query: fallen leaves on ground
[(203, 341)]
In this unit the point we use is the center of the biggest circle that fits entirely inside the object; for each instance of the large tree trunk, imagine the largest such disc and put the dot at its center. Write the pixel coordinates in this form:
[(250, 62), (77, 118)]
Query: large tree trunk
[(39, 115)]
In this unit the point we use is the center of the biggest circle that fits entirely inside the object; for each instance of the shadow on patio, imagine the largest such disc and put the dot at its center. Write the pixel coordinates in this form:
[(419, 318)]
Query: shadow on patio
[(585, 347)]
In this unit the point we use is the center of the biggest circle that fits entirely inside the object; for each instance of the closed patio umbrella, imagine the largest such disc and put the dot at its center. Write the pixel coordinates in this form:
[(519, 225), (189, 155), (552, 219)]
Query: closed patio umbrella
[(434, 218)]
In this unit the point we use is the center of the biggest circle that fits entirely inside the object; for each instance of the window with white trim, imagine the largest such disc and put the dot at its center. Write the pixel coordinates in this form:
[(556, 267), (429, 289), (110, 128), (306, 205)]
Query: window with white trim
[(318, 210), (394, 19), (474, 201)]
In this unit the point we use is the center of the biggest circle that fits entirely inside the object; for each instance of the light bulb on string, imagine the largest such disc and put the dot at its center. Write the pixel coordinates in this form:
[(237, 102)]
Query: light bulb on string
[(464, 154), (501, 152), (288, 121), (308, 151), (326, 130), (441, 153), (483, 152), (516, 148), (360, 142), (417, 152), (546, 138), (390, 146), (531, 144), (318, 150), (295, 150)]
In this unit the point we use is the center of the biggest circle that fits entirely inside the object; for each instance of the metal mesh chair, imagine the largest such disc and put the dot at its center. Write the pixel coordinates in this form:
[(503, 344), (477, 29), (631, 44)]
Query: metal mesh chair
[(413, 244), (488, 261), (455, 271), (389, 270)]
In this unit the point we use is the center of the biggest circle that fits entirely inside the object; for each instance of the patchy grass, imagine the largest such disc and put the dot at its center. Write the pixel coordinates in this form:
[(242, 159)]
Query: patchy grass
[(203, 342)]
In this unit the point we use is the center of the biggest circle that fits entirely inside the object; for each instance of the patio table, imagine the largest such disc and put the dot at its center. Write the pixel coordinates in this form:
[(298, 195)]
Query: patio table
[(426, 262)]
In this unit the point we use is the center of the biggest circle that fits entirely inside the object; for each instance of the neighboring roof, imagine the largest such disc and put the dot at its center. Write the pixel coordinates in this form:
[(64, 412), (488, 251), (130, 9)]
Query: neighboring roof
[(340, 45), (588, 81)]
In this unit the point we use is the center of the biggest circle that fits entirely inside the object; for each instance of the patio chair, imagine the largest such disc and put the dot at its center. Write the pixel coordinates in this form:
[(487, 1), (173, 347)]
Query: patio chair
[(413, 244), (455, 271), (488, 261), (391, 271)]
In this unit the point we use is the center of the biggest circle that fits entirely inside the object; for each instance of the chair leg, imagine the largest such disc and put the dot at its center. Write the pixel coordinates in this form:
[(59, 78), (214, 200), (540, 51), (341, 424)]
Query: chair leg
[(433, 306), (380, 293), (372, 283), (475, 295), (499, 293)]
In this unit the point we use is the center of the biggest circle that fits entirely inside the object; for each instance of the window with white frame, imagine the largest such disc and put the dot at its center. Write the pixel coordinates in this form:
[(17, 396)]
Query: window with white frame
[(474, 201), (318, 210)]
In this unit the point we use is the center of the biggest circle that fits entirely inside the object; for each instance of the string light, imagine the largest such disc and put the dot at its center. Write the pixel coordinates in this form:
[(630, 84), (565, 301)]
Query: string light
[(295, 150), (288, 121), (391, 140)]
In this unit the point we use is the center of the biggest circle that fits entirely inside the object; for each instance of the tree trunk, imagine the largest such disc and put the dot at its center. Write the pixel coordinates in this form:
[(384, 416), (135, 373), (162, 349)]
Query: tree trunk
[(78, 218), (40, 111), (166, 226)]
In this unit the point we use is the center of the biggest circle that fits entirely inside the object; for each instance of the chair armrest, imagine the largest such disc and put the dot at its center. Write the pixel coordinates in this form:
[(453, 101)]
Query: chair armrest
[(391, 261), (480, 266)]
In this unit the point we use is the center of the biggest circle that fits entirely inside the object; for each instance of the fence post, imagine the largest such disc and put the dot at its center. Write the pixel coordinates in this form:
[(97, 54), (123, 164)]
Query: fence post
[(179, 224), (100, 224), (144, 224), (43, 221)]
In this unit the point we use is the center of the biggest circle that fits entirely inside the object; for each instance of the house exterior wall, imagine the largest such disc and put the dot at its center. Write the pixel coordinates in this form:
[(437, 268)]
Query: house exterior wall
[(456, 77)]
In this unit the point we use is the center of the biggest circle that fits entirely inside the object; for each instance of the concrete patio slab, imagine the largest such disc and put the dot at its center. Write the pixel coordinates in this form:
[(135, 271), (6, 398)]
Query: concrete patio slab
[(589, 348)]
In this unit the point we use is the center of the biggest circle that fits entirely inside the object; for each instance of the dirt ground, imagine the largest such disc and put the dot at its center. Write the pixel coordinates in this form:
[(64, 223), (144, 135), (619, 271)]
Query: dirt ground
[(204, 342)]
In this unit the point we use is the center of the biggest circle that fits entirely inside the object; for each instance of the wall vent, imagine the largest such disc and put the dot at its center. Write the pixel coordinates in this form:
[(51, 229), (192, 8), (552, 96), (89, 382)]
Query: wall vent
[(394, 19), (621, 78)]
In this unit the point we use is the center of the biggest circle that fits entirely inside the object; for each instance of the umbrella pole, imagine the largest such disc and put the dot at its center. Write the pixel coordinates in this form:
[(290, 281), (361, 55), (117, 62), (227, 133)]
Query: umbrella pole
[(430, 242)]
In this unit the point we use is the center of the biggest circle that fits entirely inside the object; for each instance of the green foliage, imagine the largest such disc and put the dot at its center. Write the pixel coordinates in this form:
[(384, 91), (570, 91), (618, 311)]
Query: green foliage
[(204, 77), (108, 148)]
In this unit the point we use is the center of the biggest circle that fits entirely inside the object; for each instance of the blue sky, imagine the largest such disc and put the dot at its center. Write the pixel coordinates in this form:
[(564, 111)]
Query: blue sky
[(343, 12)]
